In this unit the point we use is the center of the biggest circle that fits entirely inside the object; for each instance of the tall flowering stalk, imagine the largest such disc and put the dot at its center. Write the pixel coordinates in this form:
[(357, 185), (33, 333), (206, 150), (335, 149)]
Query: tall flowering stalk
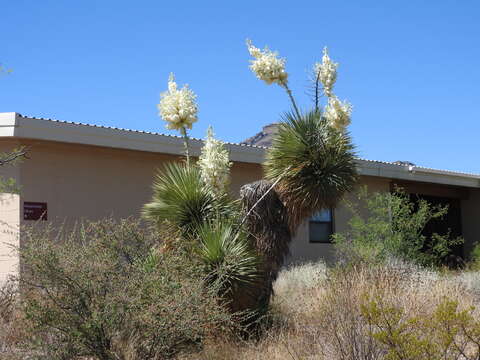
[(337, 113), (326, 73), (292, 164), (214, 163), (267, 66), (179, 109)]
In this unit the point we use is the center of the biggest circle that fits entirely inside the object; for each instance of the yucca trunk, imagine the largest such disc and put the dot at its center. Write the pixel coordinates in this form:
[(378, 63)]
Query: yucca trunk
[(269, 234)]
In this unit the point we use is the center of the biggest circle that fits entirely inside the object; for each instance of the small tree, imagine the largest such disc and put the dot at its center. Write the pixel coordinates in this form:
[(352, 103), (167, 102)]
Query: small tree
[(393, 228)]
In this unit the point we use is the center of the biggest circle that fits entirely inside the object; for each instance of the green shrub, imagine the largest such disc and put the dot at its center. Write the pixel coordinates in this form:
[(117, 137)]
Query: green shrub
[(448, 333), (108, 291), (474, 260), (393, 228)]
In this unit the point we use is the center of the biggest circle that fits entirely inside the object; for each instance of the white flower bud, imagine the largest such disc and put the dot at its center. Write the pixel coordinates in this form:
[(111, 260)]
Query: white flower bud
[(178, 107)]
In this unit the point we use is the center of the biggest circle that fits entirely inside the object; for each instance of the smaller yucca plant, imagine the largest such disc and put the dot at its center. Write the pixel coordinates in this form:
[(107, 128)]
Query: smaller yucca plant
[(313, 162), (181, 198), (231, 263)]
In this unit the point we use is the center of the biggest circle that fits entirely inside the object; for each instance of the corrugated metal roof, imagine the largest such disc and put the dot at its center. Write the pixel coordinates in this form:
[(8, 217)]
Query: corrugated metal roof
[(416, 167), (129, 130)]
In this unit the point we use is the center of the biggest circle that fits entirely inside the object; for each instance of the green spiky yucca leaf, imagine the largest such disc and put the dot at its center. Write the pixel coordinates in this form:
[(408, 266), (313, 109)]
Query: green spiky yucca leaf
[(180, 197), (315, 164), (230, 261)]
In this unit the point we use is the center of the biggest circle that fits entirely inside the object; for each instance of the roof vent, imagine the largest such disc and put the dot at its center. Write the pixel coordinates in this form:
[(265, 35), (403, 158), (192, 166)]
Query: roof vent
[(408, 164), (403, 163)]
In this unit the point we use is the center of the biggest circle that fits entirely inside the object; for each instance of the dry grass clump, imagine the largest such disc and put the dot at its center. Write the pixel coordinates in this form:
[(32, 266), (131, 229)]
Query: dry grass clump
[(471, 280), (12, 323), (317, 312)]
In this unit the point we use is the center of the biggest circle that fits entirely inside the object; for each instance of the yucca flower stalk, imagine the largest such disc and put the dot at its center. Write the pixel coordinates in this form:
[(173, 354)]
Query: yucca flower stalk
[(337, 113), (307, 142), (179, 109), (214, 164), (326, 73), (267, 66)]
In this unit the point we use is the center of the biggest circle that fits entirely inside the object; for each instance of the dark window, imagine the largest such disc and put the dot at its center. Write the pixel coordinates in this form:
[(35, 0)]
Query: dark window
[(320, 227)]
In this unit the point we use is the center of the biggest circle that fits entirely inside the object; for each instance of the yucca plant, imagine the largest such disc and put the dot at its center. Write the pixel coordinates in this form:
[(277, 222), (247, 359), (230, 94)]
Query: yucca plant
[(313, 163), (309, 166), (181, 198), (231, 264)]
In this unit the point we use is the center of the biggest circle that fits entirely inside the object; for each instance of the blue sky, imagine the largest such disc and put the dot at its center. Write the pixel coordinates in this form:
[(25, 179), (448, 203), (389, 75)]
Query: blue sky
[(410, 68)]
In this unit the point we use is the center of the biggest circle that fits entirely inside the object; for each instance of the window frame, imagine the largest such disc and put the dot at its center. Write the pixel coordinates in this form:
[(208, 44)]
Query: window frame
[(332, 227)]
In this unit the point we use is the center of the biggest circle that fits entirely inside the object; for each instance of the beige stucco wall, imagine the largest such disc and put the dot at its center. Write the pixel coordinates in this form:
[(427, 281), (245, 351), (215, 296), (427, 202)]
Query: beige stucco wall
[(302, 250), (81, 181), (78, 181), (9, 218), (9, 235)]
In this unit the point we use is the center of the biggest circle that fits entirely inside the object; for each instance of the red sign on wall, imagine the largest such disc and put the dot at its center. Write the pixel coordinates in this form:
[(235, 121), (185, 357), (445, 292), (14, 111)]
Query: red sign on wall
[(34, 210)]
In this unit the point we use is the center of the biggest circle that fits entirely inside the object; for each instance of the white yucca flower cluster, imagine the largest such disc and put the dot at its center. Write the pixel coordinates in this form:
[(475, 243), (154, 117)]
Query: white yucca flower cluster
[(214, 163), (337, 113), (326, 72), (178, 107), (267, 66)]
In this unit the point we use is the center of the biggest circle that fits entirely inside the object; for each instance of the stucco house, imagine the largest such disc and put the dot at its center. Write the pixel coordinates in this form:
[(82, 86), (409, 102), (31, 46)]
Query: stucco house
[(76, 171)]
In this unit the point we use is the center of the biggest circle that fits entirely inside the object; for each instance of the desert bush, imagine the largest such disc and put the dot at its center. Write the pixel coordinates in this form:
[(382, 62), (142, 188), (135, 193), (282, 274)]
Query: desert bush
[(108, 291), (474, 258), (449, 332), (392, 228)]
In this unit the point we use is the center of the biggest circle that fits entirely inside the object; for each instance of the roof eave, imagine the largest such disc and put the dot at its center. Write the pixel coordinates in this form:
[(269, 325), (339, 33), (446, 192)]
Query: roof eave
[(16, 125)]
